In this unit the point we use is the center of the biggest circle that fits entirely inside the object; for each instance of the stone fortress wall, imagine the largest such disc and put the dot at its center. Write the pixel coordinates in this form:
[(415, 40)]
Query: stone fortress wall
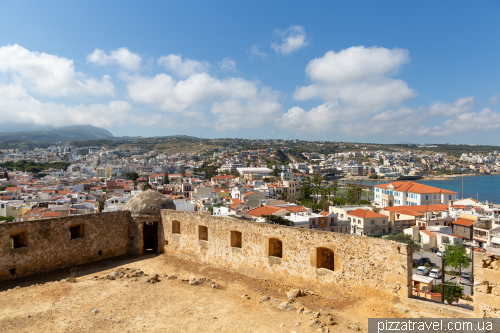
[(486, 285), (326, 262), (45, 245)]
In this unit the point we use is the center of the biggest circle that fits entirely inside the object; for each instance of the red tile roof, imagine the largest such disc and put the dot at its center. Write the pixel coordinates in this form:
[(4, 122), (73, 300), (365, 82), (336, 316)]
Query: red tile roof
[(464, 222), (51, 214), (295, 209), (413, 187), (223, 177), (363, 213), (264, 210), (428, 233)]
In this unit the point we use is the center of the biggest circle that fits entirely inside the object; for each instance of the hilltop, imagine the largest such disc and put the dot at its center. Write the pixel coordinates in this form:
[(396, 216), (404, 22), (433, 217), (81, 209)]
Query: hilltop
[(60, 134)]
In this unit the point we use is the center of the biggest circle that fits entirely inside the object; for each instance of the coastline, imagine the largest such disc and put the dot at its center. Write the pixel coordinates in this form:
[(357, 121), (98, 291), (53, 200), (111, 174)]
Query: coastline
[(424, 178)]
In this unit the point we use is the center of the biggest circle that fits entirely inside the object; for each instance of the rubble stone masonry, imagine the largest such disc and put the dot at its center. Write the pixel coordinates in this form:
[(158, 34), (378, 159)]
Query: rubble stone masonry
[(44, 245), (487, 285), (327, 262)]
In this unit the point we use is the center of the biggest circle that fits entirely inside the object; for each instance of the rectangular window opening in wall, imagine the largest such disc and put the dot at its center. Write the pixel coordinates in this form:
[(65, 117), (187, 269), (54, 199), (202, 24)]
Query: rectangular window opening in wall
[(176, 227), (76, 230), (325, 258), (18, 239), (12, 271), (275, 248), (203, 233), (236, 239)]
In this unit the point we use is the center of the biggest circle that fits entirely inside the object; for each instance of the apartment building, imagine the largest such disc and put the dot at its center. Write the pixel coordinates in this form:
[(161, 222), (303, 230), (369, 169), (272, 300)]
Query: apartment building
[(365, 222), (411, 194)]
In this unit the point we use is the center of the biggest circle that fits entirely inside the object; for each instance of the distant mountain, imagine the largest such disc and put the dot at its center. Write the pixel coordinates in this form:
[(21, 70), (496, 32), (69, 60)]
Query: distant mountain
[(67, 133)]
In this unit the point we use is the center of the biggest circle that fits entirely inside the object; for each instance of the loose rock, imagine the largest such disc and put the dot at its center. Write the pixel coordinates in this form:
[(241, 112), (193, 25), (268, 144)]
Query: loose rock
[(286, 306), (294, 293), (172, 277), (316, 323), (330, 321)]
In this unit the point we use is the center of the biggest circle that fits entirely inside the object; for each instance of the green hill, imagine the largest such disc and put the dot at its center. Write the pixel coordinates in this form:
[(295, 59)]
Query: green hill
[(67, 133)]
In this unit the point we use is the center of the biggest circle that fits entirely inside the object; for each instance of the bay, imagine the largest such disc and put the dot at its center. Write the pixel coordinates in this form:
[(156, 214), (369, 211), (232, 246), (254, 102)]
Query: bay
[(481, 188)]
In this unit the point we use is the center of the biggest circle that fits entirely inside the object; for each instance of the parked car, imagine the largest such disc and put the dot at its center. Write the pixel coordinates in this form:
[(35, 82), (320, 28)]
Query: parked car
[(465, 278), (421, 261), (422, 270), (439, 253), (435, 273)]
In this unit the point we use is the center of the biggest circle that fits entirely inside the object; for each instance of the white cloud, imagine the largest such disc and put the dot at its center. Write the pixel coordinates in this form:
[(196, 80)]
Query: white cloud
[(461, 105), (49, 74), (254, 49), (18, 106), (493, 99), (358, 77), (121, 56), (293, 39), (360, 98), (182, 68), (482, 121), (228, 65), (231, 103), (355, 85), (356, 64)]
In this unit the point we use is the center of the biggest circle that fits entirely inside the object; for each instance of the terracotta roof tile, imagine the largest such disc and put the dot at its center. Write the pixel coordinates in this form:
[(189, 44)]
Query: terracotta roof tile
[(363, 213), (464, 222), (413, 187)]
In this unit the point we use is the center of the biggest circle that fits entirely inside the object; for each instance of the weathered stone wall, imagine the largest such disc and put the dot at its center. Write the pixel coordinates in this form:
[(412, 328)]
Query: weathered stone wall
[(49, 245), (360, 264), (487, 285)]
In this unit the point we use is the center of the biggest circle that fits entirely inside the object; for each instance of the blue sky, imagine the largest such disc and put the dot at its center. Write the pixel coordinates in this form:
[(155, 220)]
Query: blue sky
[(353, 71)]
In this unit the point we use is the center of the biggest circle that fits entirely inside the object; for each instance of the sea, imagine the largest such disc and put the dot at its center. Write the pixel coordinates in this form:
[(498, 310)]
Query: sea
[(481, 188)]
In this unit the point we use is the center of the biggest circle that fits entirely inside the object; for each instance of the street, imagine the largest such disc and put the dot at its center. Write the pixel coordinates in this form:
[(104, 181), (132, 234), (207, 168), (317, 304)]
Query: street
[(436, 263)]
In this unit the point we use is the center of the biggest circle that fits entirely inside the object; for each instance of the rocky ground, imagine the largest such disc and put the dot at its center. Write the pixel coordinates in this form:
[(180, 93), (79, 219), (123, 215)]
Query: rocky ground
[(160, 293)]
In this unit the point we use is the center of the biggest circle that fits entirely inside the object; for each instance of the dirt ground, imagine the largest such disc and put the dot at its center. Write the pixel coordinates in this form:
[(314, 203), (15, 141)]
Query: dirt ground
[(47, 303)]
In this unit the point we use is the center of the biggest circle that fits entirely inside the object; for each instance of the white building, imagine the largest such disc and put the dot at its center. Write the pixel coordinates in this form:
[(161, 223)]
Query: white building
[(411, 194)]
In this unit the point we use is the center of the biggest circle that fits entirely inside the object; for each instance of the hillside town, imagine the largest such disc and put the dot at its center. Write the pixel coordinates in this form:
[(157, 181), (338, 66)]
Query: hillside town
[(307, 190)]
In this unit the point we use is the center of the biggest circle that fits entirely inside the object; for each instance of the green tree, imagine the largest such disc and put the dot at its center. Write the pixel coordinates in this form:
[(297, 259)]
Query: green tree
[(305, 192), (452, 292), (455, 256), (183, 172), (132, 176), (147, 186), (407, 239), (211, 208), (353, 193), (276, 219), (266, 180), (166, 179), (339, 201), (6, 175), (34, 169), (102, 203), (276, 172)]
